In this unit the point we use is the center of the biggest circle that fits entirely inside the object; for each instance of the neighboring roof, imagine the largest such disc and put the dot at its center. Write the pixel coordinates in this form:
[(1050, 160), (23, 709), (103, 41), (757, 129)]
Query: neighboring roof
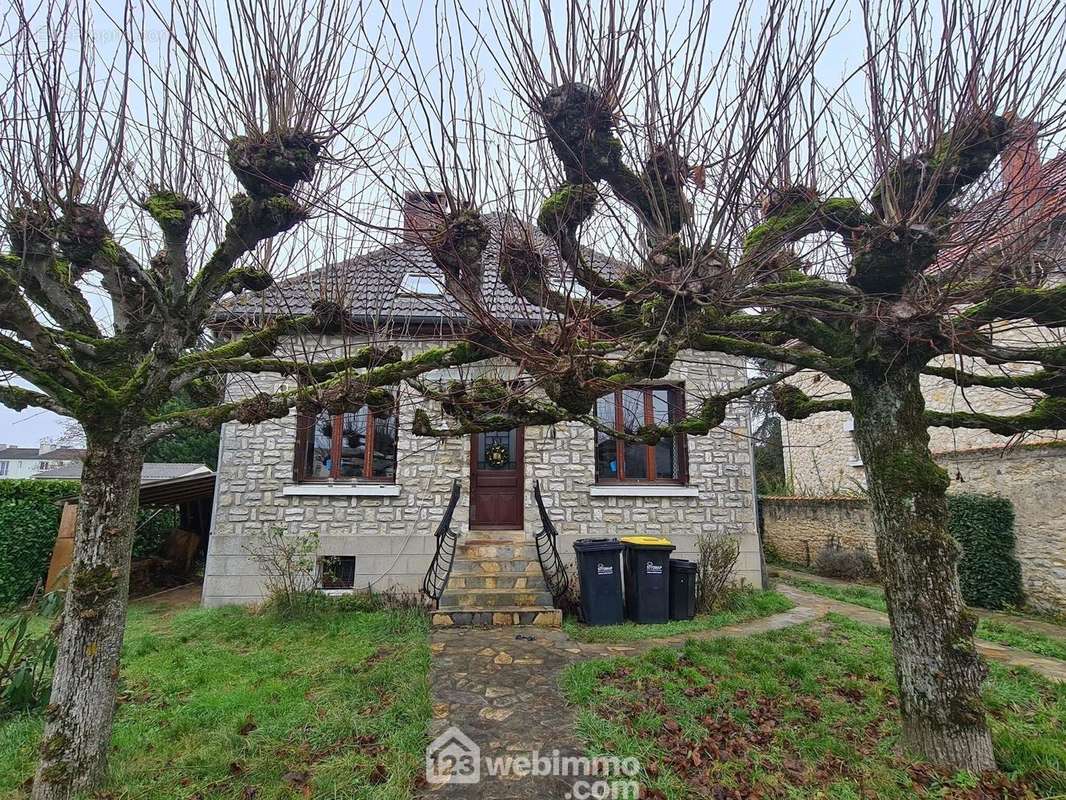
[(16, 453), (370, 285), (150, 472), (59, 454)]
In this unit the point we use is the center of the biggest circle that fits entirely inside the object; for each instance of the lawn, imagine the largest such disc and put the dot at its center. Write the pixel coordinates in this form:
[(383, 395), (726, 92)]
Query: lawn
[(802, 713), (230, 704), (743, 607), (992, 630)]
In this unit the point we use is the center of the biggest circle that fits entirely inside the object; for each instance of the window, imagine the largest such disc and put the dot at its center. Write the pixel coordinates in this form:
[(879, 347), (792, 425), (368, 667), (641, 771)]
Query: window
[(854, 458), (336, 572), (357, 445), (415, 284), (3, 467), (628, 411)]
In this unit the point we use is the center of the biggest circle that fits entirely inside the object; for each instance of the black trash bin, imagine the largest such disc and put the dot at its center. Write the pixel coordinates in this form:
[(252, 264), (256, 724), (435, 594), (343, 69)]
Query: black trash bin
[(600, 578), (647, 570), (682, 589)]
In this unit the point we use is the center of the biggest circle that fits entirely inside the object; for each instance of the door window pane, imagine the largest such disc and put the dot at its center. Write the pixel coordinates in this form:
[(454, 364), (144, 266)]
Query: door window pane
[(496, 450)]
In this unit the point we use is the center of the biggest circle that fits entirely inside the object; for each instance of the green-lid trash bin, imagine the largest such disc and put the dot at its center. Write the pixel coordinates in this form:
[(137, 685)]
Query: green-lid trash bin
[(599, 575), (647, 578)]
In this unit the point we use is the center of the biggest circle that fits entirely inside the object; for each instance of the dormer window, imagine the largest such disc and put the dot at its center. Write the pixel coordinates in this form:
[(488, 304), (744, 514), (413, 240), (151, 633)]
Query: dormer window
[(420, 285)]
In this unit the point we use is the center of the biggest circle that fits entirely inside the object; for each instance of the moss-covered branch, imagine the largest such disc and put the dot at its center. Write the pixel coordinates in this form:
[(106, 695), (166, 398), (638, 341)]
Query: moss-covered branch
[(1049, 380), (17, 399), (792, 403), (1048, 413), (1045, 306)]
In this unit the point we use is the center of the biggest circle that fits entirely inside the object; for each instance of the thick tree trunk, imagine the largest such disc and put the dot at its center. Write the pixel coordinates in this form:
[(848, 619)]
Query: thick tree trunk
[(938, 670), (77, 734)]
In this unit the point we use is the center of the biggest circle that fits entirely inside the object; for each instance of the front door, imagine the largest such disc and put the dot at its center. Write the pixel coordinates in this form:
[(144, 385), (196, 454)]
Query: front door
[(496, 480)]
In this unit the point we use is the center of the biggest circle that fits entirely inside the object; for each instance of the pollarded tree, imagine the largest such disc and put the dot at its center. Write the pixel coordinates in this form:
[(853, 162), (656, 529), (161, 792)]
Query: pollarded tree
[(122, 233), (768, 217)]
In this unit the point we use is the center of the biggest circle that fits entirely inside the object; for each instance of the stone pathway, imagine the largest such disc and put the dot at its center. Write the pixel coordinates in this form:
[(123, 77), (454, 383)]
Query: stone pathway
[(499, 686), (1027, 623)]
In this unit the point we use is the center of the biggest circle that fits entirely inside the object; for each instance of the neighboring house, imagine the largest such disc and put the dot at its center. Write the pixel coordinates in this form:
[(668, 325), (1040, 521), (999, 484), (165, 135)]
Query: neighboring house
[(375, 493), (27, 462), (150, 472), (821, 458)]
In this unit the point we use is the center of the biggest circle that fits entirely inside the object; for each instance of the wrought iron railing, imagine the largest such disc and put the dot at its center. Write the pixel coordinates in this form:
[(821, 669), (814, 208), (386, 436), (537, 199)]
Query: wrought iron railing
[(440, 568), (551, 563)]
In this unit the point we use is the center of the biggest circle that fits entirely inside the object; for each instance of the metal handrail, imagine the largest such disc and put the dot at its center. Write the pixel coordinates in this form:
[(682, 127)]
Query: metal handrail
[(440, 568), (551, 563)]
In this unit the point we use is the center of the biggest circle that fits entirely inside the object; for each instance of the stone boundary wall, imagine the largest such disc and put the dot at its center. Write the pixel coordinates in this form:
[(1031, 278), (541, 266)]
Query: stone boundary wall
[(796, 528), (1032, 477)]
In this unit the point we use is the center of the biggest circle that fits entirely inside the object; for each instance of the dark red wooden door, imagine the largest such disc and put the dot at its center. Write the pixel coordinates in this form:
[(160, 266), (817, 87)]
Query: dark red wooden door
[(496, 480)]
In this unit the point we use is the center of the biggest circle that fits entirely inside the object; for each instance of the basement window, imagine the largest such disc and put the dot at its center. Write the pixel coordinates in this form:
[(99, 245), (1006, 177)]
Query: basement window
[(336, 573)]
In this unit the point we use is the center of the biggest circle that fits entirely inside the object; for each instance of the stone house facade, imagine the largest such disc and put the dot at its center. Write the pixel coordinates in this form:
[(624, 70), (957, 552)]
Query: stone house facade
[(379, 524)]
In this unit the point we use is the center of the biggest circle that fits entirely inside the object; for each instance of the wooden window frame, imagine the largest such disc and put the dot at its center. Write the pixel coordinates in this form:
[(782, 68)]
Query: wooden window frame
[(305, 425), (680, 443)]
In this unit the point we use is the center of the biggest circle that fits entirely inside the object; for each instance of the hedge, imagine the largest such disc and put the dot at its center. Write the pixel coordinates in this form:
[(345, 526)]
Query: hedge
[(29, 522), (983, 525)]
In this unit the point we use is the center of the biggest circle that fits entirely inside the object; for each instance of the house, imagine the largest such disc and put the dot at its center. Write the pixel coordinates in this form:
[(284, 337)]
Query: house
[(822, 461), (375, 493), (27, 462)]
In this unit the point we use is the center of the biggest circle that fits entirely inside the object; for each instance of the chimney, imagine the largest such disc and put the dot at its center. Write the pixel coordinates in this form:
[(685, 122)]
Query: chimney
[(423, 213), (1020, 160), (46, 446)]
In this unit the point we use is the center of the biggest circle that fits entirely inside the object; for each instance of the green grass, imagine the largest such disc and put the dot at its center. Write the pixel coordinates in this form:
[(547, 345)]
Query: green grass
[(992, 630), (801, 713), (745, 607), (230, 704)]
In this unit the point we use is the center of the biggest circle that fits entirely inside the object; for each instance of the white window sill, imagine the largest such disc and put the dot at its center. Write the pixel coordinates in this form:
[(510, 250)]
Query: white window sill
[(337, 592), (651, 490), (341, 490), (855, 462)]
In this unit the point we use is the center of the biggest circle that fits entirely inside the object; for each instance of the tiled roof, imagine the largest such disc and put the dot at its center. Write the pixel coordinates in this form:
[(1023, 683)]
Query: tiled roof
[(369, 286), (157, 471), (27, 453), (16, 453)]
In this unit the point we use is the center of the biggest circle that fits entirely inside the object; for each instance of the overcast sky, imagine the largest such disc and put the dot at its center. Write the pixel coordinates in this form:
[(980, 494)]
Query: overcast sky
[(27, 427)]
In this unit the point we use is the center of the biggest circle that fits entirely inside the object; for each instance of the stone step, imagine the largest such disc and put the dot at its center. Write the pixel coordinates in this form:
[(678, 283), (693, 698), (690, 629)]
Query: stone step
[(477, 550), (470, 566), (497, 580), (541, 616), (463, 599), (497, 536)]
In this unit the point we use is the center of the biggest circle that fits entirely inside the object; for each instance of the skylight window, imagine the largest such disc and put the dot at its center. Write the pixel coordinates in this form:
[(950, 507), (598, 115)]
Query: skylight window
[(420, 285)]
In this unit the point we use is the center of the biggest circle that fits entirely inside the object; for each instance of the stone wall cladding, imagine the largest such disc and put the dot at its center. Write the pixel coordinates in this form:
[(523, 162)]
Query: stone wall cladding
[(1031, 477), (391, 537)]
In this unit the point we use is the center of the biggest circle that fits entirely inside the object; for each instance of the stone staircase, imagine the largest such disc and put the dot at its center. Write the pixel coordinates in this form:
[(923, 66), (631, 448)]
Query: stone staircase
[(496, 579)]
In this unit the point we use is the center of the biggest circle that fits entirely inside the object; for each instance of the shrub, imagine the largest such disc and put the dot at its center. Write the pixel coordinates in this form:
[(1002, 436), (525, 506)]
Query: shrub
[(29, 522), (716, 557), (989, 573), (290, 564), (846, 563), (27, 659)]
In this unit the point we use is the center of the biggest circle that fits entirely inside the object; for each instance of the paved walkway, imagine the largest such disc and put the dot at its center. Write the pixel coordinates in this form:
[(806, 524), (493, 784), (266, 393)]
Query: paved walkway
[(499, 686), (1027, 623)]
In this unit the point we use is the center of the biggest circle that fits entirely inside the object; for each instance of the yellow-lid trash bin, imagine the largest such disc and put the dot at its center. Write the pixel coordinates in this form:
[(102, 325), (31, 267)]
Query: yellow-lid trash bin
[(646, 541)]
